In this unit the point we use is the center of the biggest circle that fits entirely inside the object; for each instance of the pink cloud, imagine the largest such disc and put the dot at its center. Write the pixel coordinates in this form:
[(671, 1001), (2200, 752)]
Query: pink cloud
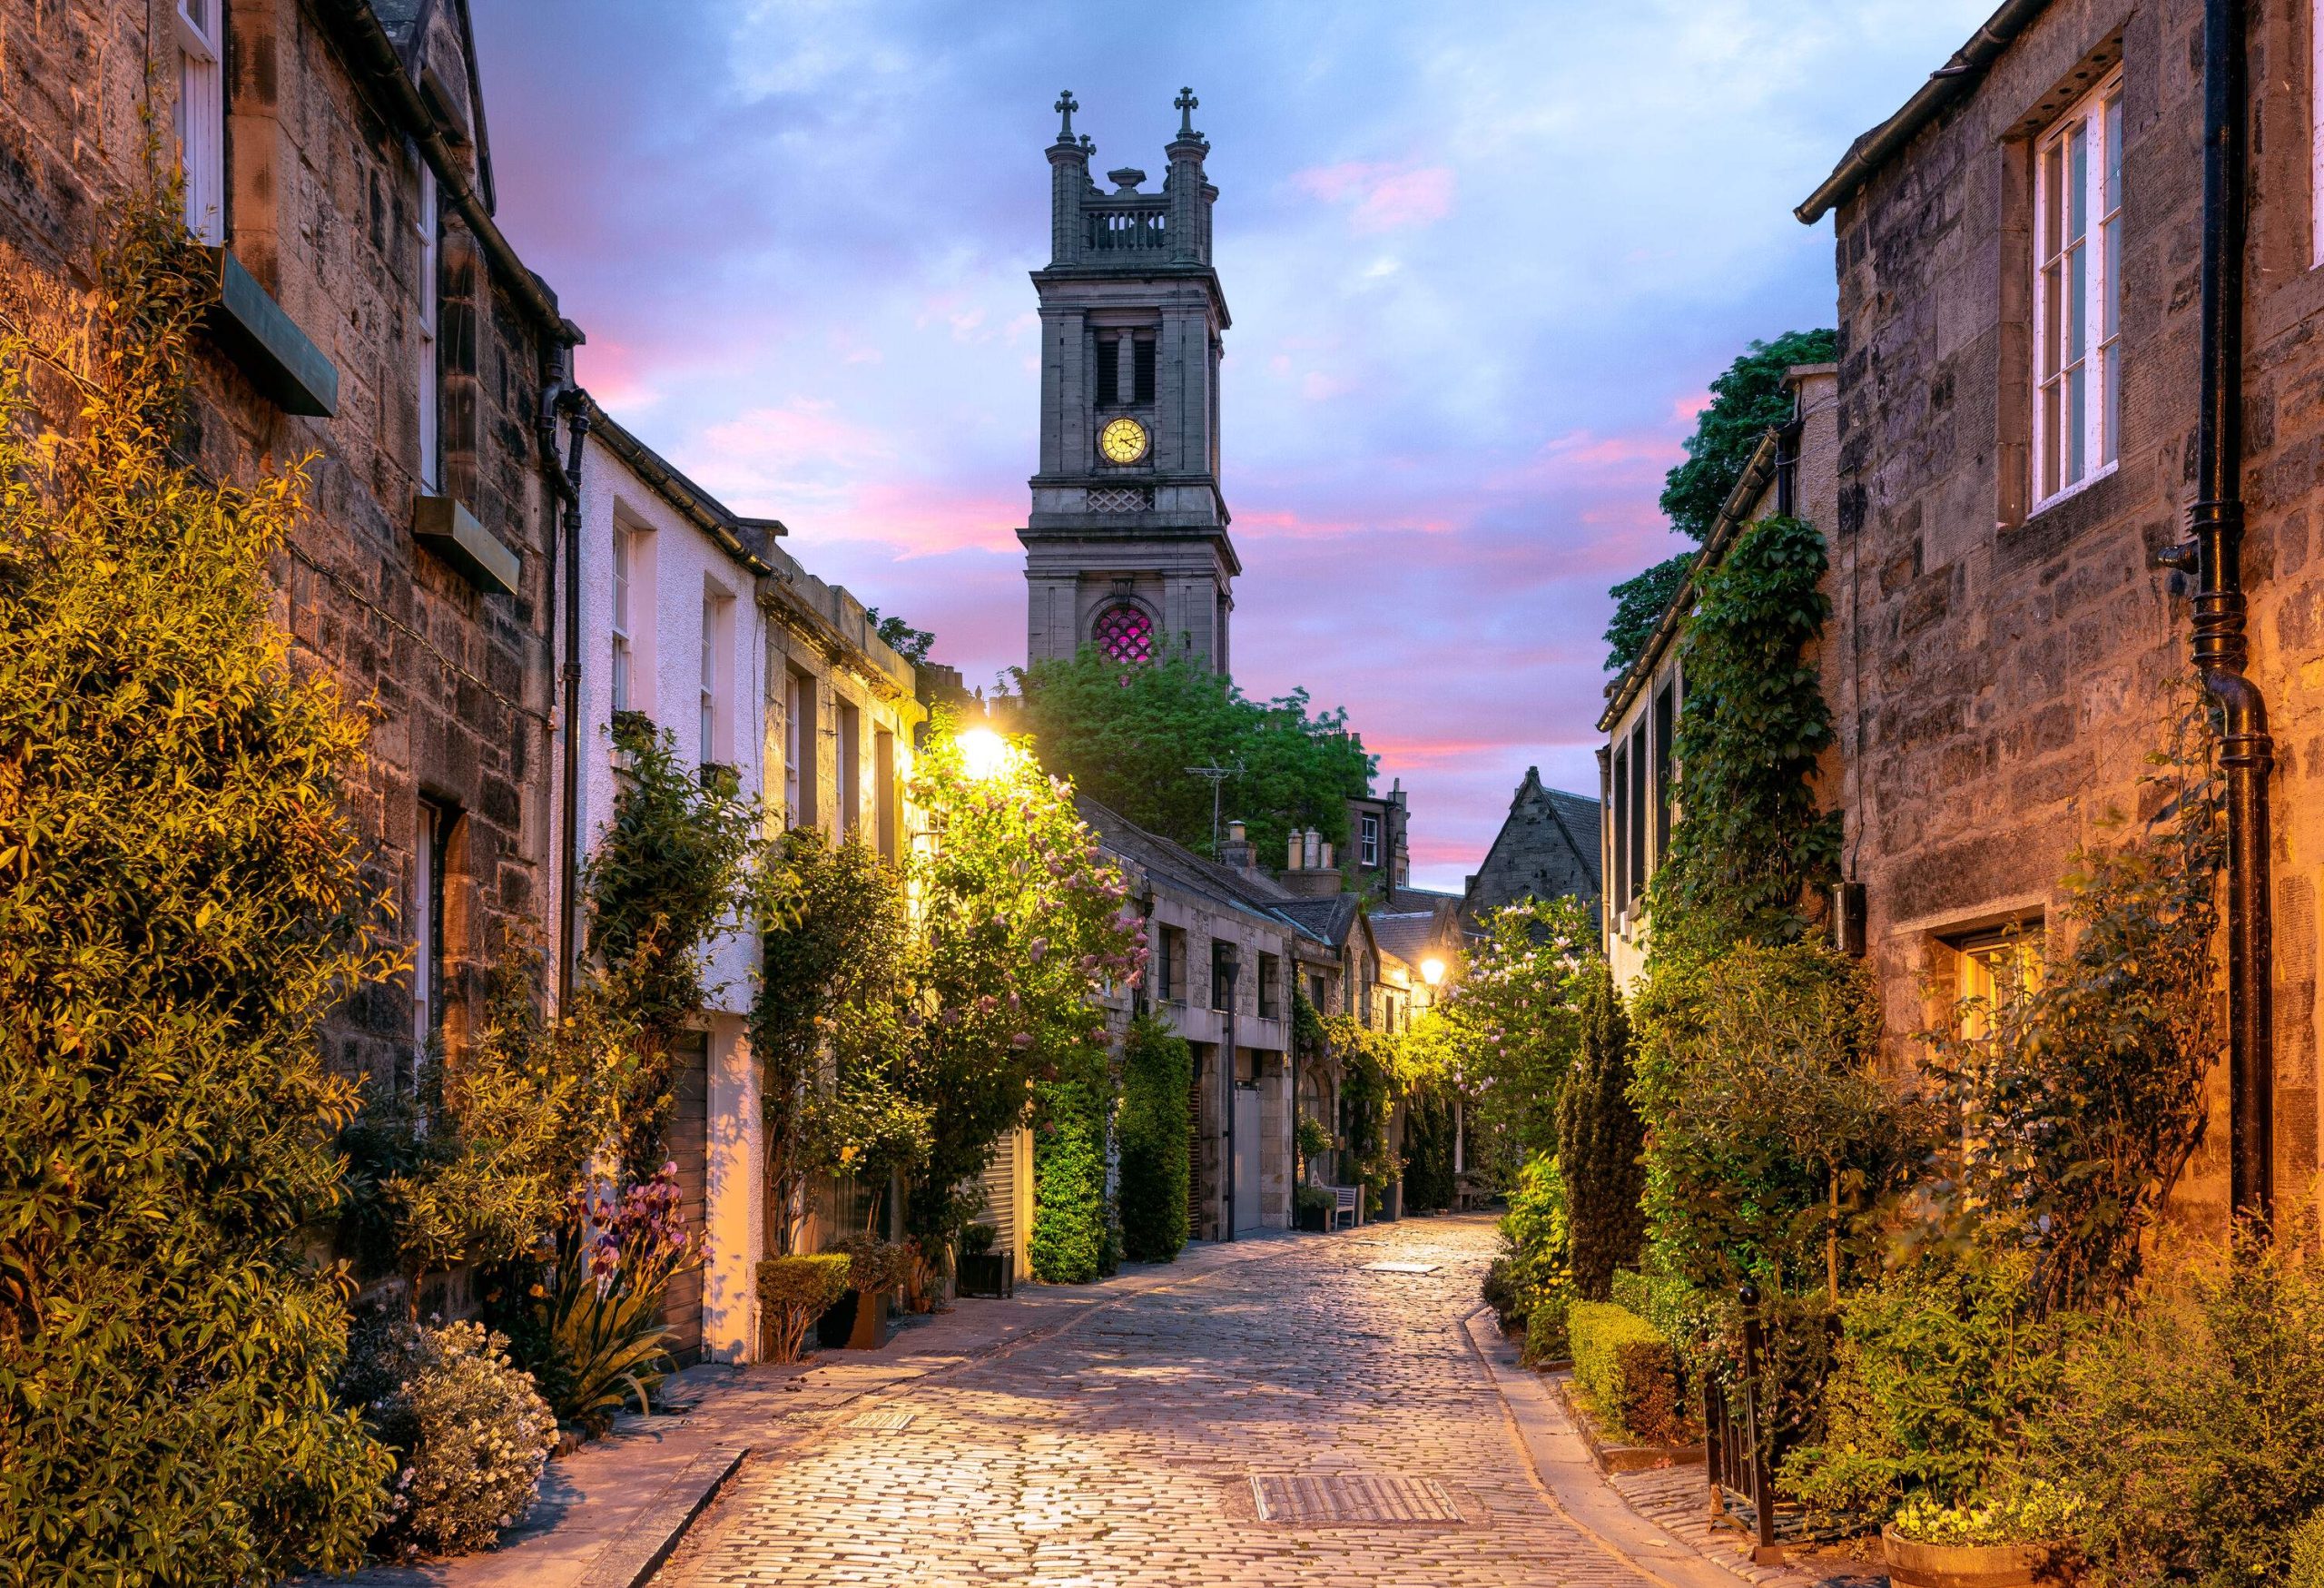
[(1386, 198), (1684, 409)]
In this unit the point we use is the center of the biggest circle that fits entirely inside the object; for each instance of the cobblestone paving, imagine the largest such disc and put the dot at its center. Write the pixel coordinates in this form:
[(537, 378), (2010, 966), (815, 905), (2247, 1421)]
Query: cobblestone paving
[(1122, 1450)]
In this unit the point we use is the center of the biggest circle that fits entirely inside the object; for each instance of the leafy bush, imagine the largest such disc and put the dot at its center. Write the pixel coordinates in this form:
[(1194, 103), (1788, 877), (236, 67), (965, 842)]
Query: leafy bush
[(1938, 1371), (1428, 1147), (874, 1266), (184, 900), (1314, 1139), (1600, 1140), (2190, 1429), (1513, 1027), (1533, 1269), (469, 1434), (1069, 1238), (2083, 1097), (794, 1292), (1314, 1200), (1546, 1339), (2307, 1555), (1156, 1070), (1630, 1371)]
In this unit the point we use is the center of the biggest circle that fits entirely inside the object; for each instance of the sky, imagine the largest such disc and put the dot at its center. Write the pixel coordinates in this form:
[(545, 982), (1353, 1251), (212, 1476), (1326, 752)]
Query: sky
[(1482, 259)]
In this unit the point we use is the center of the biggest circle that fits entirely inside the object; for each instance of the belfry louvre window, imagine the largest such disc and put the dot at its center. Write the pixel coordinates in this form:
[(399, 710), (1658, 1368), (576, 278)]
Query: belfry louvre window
[(2077, 293), (1141, 372), (1109, 367)]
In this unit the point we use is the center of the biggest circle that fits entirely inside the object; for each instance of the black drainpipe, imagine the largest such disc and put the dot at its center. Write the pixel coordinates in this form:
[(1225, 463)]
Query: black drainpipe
[(577, 410), (2221, 649)]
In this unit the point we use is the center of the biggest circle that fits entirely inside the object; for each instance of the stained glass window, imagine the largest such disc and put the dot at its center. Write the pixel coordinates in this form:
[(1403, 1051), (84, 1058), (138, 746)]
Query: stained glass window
[(1125, 633)]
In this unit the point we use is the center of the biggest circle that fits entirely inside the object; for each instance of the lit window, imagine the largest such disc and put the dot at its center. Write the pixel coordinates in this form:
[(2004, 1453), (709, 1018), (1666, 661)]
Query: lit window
[(1125, 633), (430, 229), (1991, 972), (200, 116), (622, 661), (2077, 293)]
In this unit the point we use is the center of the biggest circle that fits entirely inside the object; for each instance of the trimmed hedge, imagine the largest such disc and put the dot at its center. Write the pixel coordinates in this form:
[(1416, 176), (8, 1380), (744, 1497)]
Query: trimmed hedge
[(1630, 1370), (794, 1292), (1157, 1068), (1546, 1335)]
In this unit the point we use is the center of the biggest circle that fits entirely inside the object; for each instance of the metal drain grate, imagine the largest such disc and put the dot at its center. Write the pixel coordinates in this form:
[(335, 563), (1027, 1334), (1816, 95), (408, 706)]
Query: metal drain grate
[(1352, 1498), (889, 1420), (1400, 1267)]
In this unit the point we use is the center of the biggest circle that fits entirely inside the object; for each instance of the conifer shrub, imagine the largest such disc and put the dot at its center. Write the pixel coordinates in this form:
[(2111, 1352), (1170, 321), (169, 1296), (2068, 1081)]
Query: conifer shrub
[(1068, 1246), (1600, 1140), (1157, 1069), (470, 1435), (181, 900), (794, 1292)]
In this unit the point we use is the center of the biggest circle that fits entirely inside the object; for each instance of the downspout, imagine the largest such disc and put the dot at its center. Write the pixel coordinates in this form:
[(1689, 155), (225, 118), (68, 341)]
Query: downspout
[(2221, 648), (576, 406)]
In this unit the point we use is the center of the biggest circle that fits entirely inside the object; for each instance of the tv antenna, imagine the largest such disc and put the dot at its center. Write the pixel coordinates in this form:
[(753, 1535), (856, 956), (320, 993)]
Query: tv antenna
[(1217, 776)]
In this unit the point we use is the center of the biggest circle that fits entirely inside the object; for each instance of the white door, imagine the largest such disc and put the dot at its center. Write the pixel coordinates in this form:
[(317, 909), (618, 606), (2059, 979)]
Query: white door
[(1247, 1157)]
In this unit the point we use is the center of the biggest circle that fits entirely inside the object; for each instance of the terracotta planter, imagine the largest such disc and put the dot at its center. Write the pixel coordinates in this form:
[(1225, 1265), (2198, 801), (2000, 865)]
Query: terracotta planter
[(1970, 1566)]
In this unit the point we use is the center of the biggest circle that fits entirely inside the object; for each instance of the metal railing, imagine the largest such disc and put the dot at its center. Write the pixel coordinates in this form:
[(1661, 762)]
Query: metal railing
[(1735, 1453)]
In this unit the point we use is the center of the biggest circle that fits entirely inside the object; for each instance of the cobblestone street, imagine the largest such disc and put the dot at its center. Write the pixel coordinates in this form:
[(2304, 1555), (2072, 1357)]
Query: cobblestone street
[(1123, 1449)]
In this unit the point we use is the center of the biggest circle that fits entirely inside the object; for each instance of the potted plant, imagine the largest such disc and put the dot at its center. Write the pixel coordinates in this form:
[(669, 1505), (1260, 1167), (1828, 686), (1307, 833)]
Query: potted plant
[(858, 1321), (2012, 1541), (1313, 1206), (1314, 1141), (984, 1271)]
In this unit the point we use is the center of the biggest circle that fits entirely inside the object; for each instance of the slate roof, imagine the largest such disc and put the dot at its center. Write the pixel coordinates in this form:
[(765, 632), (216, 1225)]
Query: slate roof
[(1579, 818), (1410, 935), (1175, 864), (1327, 920)]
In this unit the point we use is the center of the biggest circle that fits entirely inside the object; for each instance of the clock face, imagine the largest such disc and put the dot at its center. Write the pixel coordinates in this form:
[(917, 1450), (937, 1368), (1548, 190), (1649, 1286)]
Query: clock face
[(1123, 441)]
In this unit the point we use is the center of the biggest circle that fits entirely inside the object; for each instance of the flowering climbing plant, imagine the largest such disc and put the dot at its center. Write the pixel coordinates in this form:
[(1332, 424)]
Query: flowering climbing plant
[(1024, 924), (1513, 1025)]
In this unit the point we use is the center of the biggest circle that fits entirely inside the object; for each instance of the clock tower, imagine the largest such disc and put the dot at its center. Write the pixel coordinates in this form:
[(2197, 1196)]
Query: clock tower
[(1126, 547)]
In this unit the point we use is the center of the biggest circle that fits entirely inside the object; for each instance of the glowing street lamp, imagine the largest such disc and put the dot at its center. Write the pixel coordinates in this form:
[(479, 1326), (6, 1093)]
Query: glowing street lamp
[(1432, 971), (984, 754)]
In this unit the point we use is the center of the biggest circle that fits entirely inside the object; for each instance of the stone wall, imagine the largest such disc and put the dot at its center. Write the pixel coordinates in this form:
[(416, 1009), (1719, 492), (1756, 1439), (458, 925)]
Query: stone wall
[(320, 210), (2014, 669)]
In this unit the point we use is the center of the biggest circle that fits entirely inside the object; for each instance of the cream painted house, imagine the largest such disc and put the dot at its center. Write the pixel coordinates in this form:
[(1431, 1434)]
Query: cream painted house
[(694, 616)]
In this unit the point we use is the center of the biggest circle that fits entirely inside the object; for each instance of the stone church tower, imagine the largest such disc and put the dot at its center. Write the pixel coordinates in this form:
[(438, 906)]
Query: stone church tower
[(1126, 547)]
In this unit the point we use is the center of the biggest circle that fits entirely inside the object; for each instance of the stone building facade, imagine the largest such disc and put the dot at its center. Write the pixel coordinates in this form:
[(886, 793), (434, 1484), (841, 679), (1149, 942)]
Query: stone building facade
[(336, 160), (1126, 546), (2006, 649), (1548, 847), (1794, 472)]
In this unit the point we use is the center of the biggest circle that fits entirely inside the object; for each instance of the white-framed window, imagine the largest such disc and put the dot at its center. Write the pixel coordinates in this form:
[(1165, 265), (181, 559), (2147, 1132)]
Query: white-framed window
[(1370, 841), (200, 116), (429, 224), (851, 769), (798, 749), (2077, 293), (623, 659), (713, 680)]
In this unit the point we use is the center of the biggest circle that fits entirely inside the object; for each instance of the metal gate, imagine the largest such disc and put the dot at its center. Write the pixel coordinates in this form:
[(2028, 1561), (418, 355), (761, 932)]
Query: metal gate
[(1735, 1453)]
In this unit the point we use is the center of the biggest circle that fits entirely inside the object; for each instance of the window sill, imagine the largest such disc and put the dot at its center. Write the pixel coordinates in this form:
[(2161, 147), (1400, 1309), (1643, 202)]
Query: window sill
[(282, 361), (444, 527), (2059, 499)]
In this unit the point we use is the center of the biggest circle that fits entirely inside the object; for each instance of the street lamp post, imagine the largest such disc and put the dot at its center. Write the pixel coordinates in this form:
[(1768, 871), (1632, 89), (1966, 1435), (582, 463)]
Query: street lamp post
[(1230, 967)]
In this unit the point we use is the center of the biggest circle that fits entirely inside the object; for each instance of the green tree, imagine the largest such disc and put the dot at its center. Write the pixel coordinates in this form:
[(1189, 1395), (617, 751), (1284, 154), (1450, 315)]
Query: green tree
[(1601, 1139), (1638, 605), (828, 1020), (1743, 402), (1157, 1069), (1024, 923), (1515, 1020), (1125, 736), (181, 899)]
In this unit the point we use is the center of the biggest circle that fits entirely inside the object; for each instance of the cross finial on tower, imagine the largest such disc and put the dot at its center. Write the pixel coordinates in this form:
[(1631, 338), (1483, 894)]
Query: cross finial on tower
[(1185, 105), (1066, 105)]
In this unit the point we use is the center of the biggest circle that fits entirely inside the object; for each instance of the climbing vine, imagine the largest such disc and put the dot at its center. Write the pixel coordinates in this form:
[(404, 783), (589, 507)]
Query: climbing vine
[(1750, 844)]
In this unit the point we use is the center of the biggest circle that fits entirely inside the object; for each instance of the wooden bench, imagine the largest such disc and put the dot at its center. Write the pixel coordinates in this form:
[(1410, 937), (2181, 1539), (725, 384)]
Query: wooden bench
[(1347, 1202)]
